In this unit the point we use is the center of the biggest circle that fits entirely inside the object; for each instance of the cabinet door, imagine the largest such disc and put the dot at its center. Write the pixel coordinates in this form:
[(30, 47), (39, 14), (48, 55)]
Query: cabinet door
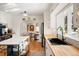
[(3, 52), (48, 50)]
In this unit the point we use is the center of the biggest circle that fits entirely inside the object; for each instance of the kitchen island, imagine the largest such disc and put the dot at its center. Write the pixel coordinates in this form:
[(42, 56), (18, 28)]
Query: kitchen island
[(60, 50), (16, 44)]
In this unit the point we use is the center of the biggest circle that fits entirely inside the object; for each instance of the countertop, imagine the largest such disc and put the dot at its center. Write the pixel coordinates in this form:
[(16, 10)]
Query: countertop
[(74, 37), (62, 50), (14, 40)]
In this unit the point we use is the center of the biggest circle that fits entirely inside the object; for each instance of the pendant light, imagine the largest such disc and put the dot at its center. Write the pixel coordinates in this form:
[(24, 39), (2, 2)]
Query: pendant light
[(25, 13)]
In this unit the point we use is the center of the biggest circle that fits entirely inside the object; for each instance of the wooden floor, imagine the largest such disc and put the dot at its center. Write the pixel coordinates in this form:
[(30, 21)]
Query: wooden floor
[(35, 49)]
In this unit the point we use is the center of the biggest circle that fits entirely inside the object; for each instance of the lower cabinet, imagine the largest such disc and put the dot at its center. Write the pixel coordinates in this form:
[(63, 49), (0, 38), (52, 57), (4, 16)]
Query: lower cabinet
[(3, 50), (48, 50)]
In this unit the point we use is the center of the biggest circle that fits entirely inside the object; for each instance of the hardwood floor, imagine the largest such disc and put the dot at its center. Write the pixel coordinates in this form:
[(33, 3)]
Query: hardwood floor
[(35, 49)]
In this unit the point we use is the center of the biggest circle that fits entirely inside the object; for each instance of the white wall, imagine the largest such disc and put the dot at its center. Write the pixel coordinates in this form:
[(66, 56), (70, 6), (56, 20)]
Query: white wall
[(67, 11), (11, 20), (20, 26), (16, 19), (46, 22), (39, 20), (47, 27), (5, 18), (53, 22), (53, 17)]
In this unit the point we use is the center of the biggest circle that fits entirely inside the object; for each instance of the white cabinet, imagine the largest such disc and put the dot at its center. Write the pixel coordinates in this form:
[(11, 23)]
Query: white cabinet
[(48, 50), (24, 46)]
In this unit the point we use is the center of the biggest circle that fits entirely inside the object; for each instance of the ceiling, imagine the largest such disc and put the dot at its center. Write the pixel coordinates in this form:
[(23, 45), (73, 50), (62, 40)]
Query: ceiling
[(31, 8)]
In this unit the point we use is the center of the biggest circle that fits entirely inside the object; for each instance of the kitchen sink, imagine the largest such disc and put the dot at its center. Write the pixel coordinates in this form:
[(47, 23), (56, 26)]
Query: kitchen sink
[(56, 41)]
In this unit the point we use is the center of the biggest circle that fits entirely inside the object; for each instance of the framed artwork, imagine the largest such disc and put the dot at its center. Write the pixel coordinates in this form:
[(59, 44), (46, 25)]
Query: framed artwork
[(30, 27)]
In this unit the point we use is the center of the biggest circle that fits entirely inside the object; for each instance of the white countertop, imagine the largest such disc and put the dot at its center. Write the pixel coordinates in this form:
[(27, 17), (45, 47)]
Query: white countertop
[(14, 40), (74, 37)]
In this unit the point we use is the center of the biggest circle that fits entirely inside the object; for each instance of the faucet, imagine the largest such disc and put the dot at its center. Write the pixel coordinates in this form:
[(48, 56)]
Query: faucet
[(77, 30), (61, 29)]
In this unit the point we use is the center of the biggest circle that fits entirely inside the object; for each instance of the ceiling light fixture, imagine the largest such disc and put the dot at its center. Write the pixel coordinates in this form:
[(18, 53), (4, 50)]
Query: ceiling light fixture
[(25, 13)]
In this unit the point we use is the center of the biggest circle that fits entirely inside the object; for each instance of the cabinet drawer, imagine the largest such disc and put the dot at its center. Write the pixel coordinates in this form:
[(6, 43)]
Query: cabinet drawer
[(48, 50), (3, 52)]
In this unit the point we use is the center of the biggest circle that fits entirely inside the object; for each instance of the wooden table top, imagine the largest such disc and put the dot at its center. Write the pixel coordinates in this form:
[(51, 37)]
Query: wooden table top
[(62, 50)]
